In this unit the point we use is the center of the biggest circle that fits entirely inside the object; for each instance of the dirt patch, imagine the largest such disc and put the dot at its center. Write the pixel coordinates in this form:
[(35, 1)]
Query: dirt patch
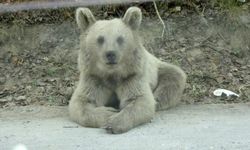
[(38, 62)]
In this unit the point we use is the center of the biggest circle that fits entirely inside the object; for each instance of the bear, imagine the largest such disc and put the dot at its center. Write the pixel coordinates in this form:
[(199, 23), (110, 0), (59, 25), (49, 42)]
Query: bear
[(121, 85)]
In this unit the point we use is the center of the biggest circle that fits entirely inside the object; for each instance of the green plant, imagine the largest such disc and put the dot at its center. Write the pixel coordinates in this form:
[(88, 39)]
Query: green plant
[(227, 4), (51, 71)]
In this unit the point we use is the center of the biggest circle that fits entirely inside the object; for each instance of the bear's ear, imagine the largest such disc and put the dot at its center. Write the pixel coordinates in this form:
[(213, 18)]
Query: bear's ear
[(84, 18), (133, 18)]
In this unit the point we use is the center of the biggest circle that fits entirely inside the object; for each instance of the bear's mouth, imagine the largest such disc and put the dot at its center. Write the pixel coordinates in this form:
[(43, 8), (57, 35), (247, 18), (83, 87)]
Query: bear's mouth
[(111, 63)]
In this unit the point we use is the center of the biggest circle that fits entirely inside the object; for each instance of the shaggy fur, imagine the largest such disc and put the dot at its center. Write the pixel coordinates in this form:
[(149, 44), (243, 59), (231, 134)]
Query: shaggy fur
[(121, 84)]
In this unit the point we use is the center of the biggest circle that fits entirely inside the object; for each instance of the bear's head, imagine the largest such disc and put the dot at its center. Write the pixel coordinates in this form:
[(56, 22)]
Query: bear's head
[(110, 46)]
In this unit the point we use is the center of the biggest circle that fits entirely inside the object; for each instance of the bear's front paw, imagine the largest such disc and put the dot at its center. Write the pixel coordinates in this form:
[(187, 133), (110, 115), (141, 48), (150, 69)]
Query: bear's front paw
[(101, 115), (116, 124)]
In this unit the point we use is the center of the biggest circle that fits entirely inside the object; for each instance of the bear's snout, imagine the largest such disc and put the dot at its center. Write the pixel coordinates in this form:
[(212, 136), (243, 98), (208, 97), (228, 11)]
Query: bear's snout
[(111, 57)]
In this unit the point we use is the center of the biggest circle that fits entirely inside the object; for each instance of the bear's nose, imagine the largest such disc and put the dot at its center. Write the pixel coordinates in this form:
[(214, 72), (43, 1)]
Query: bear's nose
[(111, 56)]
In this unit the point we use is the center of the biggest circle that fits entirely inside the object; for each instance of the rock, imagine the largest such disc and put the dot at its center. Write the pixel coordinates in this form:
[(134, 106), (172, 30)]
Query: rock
[(67, 79), (69, 91), (52, 80), (178, 8), (3, 100), (28, 87), (40, 83), (194, 54), (2, 80), (46, 59), (9, 98), (21, 98), (244, 67), (243, 1), (40, 89), (182, 40)]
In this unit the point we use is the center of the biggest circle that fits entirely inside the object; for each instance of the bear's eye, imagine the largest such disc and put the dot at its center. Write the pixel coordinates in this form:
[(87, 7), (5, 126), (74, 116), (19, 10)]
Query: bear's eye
[(100, 40), (120, 40)]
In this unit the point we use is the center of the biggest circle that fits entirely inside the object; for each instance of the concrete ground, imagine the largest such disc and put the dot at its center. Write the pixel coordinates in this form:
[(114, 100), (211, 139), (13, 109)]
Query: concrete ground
[(214, 126)]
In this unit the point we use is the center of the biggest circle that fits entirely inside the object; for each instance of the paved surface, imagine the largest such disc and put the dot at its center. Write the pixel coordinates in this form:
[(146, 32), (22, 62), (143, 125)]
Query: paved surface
[(186, 127)]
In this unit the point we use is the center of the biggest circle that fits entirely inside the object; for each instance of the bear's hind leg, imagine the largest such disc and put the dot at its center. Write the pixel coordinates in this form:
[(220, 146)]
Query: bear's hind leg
[(171, 83)]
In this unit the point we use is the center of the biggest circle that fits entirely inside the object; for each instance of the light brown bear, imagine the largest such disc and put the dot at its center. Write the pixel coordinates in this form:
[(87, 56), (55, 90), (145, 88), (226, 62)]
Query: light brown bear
[(121, 84)]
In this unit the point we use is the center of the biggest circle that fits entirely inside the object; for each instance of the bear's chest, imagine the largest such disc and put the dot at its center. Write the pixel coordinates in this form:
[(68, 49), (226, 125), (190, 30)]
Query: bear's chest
[(111, 82), (113, 101)]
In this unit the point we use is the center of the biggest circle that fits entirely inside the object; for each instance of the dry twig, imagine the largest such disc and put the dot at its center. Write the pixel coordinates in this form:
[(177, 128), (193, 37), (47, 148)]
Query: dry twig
[(162, 22)]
